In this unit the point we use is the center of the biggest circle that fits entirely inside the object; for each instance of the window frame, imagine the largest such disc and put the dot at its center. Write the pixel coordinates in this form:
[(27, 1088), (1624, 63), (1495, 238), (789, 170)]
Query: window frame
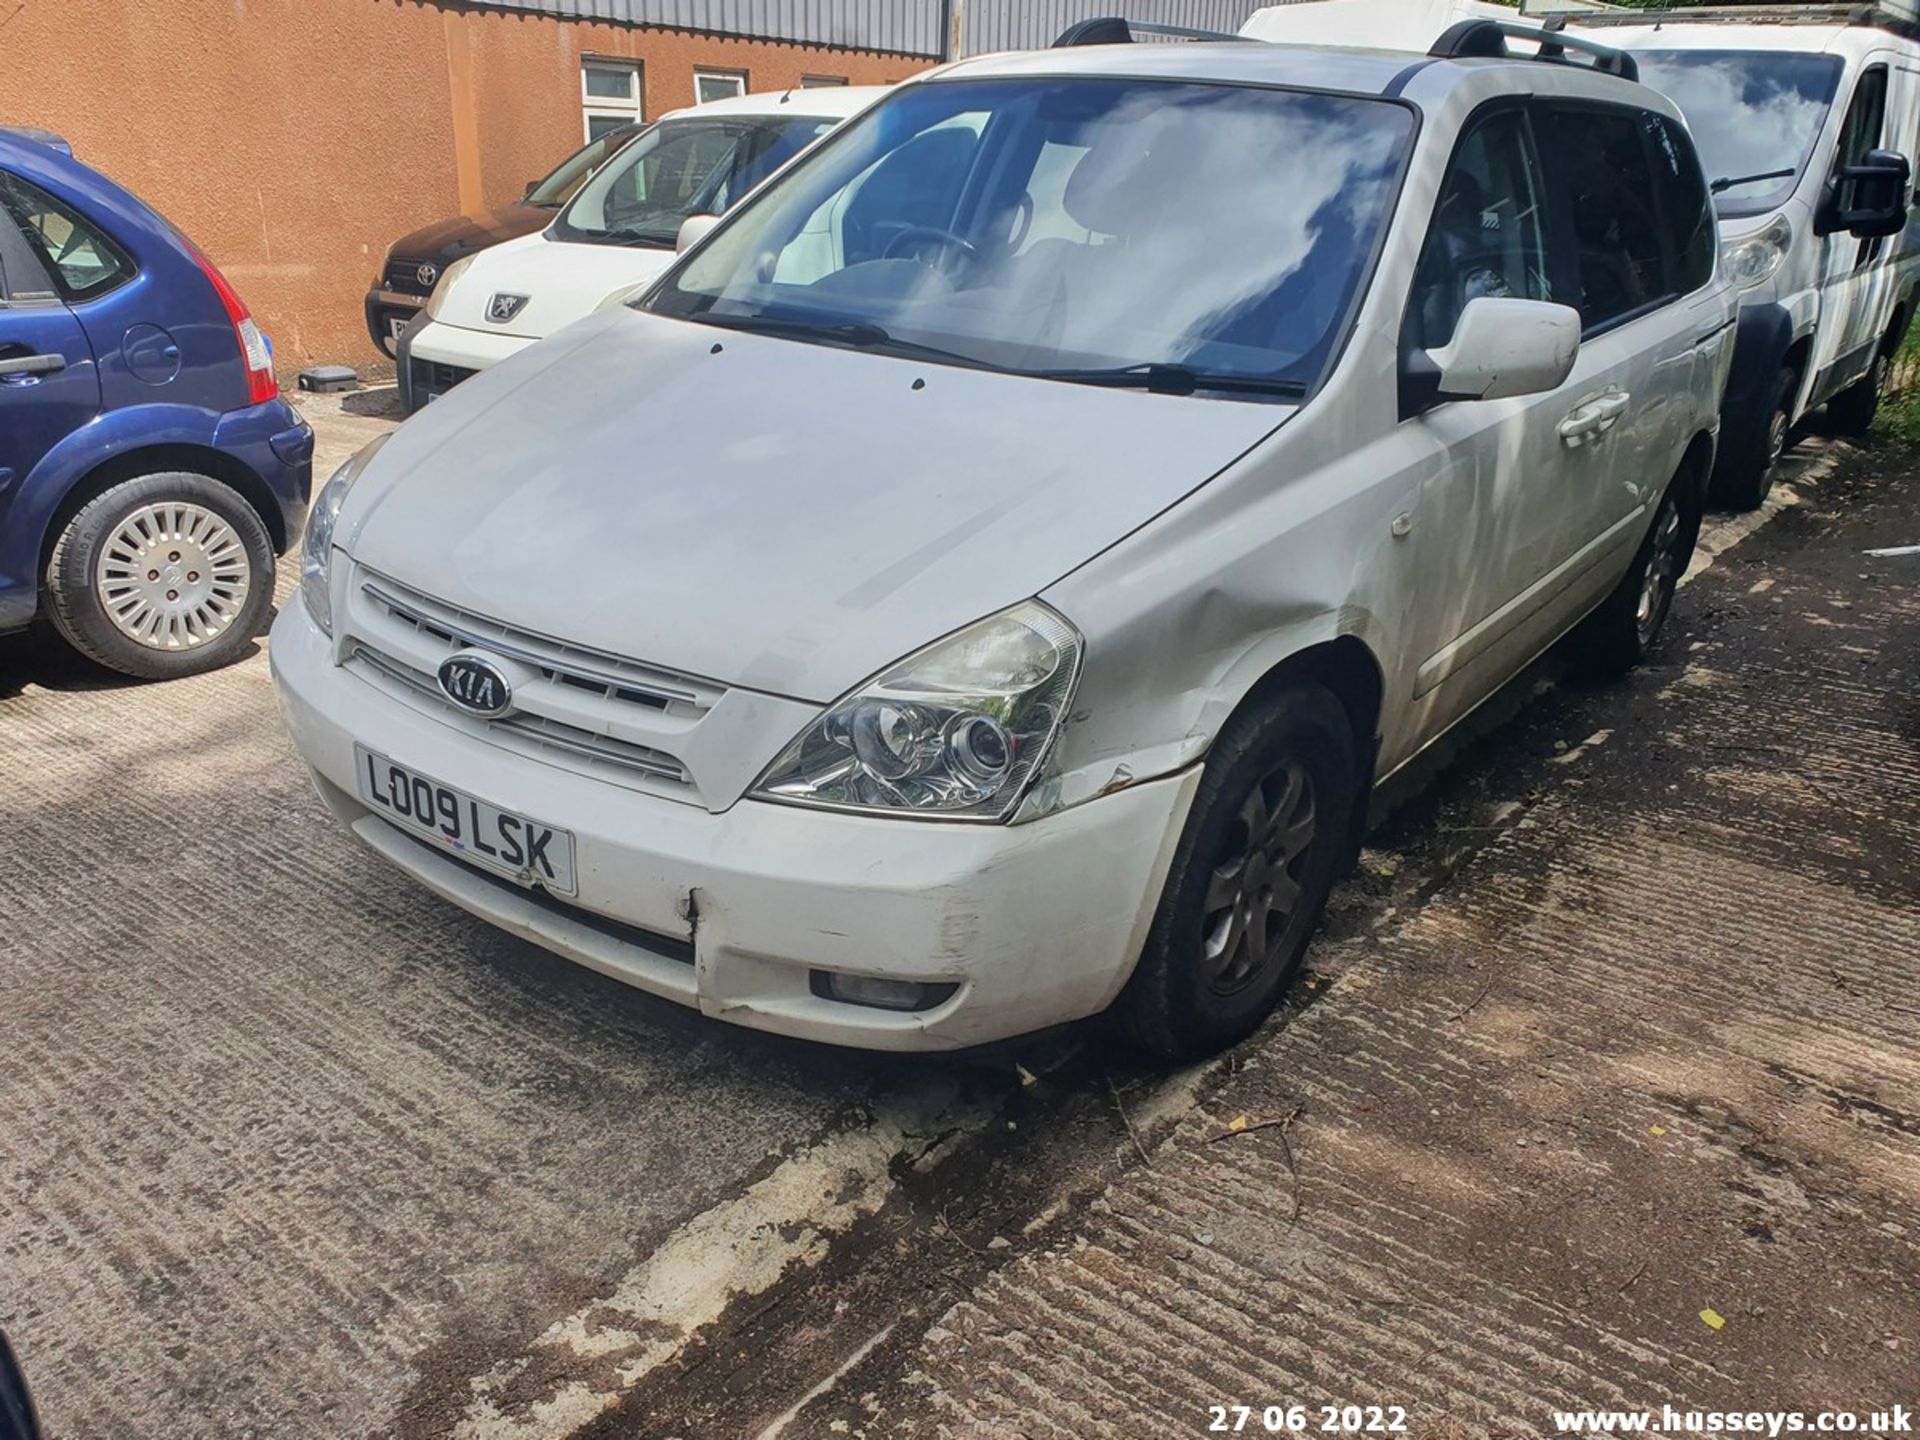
[(704, 72), (604, 107), (1559, 179), (823, 82), (1682, 141), (1557, 239), (126, 269)]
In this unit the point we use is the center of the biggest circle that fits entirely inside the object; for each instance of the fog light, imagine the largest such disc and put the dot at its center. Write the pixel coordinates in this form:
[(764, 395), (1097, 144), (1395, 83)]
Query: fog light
[(880, 994)]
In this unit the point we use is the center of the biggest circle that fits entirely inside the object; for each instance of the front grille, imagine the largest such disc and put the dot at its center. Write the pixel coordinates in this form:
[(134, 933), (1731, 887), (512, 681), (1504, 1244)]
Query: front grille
[(431, 377), (403, 277), (585, 710)]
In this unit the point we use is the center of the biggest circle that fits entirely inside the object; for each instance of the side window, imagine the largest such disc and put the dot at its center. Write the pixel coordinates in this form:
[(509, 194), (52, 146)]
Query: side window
[(1603, 165), (1488, 235), (23, 280), (1865, 117), (1684, 202), (80, 257)]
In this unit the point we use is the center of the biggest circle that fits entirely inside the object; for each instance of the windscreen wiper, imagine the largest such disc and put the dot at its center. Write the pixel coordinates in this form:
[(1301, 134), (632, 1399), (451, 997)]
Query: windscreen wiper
[(629, 235), (1727, 182), (860, 334), (1173, 379)]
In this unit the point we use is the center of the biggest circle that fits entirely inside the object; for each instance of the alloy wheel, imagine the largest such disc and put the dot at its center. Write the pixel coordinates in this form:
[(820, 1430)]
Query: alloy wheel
[(1254, 894), (173, 576), (1663, 573)]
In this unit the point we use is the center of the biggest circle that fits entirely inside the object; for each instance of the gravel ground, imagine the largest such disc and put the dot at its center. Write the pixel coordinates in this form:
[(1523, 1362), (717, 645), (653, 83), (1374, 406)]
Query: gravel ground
[(1616, 1025)]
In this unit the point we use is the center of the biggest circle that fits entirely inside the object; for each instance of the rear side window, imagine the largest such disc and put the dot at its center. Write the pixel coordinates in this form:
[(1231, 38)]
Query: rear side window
[(1684, 202), (1489, 232), (1618, 237), (83, 261)]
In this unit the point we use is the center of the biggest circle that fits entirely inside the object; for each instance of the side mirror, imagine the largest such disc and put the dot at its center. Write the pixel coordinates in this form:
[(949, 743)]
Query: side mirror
[(532, 185), (17, 1420), (693, 230), (1868, 199), (1500, 348)]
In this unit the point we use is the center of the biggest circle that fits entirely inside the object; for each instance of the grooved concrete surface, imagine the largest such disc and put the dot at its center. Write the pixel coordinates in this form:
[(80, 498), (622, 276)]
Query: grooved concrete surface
[(283, 1137), (1651, 1052)]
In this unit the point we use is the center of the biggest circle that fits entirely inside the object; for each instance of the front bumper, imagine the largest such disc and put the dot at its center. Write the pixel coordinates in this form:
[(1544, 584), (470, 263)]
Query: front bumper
[(734, 913), (385, 306), (434, 357)]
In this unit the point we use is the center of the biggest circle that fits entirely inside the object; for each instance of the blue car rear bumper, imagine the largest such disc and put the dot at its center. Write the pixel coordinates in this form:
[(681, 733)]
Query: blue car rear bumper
[(272, 441)]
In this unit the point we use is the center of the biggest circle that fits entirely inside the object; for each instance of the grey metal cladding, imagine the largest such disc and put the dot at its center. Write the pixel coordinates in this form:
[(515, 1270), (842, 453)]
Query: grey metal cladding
[(898, 27), (988, 25)]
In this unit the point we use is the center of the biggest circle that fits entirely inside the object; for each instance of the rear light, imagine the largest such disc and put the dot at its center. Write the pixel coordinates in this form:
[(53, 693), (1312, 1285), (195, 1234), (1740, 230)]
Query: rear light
[(253, 344)]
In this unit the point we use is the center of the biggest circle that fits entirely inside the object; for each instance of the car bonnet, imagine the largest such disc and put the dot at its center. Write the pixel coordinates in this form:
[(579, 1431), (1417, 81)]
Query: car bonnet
[(764, 512)]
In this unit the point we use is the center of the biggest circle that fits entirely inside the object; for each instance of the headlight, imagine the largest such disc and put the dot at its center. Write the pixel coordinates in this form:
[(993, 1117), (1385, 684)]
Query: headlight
[(448, 279), (1752, 259), (316, 553), (957, 730)]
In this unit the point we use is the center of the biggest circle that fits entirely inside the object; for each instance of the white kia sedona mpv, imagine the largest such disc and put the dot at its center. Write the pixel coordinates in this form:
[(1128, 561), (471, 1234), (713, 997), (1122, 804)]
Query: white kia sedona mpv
[(980, 584)]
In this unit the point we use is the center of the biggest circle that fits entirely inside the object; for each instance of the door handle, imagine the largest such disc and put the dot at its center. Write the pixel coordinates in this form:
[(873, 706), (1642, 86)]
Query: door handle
[(1592, 419), (27, 366)]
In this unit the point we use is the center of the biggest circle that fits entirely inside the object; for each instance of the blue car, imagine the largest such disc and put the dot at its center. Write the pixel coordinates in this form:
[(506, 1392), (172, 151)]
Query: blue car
[(150, 473)]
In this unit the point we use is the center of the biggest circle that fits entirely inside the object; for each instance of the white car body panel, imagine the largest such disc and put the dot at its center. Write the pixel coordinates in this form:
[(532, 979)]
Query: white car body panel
[(780, 521), (1840, 292), (564, 281)]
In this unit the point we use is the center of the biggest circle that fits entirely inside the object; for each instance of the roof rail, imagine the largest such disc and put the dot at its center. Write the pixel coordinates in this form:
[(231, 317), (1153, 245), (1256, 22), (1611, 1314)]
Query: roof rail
[(1897, 18), (1488, 39), (1116, 30)]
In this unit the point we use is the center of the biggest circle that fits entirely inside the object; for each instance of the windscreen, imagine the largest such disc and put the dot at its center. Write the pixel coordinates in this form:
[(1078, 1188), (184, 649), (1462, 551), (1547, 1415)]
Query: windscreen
[(1207, 236), (1755, 115), (679, 168), (572, 173)]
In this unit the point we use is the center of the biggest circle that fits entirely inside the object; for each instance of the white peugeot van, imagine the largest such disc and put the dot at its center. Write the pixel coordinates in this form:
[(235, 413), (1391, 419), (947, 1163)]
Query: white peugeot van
[(982, 582), (1807, 118), (618, 232)]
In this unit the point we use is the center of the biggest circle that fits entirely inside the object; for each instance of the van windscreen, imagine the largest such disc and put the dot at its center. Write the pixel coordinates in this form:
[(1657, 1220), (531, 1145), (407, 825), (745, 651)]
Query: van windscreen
[(1755, 115)]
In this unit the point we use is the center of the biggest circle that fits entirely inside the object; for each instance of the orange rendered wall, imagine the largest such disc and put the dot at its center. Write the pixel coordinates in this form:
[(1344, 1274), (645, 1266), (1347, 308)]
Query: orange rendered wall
[(294, 140)]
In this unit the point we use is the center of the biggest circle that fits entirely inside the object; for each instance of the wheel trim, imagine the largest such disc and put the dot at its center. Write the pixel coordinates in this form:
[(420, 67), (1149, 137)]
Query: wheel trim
[(1253, 894), (174, 576), (1776, 440), (1663, 572)]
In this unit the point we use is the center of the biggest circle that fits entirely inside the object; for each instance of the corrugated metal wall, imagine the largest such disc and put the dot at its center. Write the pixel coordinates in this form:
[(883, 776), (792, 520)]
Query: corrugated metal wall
[(901, 27), (1031, 24)]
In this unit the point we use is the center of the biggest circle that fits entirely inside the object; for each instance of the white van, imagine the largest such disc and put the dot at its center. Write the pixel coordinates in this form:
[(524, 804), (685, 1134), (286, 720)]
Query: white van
[(1807, 123), (618, 232), (942, 609)]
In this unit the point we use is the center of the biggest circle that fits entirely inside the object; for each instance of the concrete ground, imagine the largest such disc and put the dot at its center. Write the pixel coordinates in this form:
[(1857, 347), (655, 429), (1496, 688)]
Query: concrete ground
[(1615, 1026)]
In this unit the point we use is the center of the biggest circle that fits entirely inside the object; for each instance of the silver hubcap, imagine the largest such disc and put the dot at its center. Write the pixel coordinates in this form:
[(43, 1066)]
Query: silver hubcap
[(1776, 438), (1255, 889), (174, 576), (1663, 568)]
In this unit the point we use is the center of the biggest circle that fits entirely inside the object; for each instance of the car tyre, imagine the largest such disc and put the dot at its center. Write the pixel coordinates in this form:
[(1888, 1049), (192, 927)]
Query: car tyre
[(1751, 446), (1269, 832), (1850, 413), (1626, 626), (173, 534)]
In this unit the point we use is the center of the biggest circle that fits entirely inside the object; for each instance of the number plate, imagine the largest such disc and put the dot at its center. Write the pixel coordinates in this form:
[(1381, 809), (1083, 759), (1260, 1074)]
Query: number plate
[(395, 324), (523, 850)]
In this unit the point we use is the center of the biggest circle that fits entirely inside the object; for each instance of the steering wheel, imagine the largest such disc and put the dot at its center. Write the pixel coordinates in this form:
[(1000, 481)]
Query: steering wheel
[(909, 242)]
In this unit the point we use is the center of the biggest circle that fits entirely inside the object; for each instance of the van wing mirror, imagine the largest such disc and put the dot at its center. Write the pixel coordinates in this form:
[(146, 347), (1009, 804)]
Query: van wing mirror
[(693, 230), (1500, 348), (1869, 199)]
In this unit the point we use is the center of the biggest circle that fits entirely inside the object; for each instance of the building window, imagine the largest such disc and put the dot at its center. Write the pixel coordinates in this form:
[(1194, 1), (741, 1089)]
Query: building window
[(821, 82), (718, 84), (609, 95)]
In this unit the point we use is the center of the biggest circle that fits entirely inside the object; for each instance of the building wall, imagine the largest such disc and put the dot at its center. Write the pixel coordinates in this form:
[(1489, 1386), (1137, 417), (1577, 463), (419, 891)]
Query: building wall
[(295, 139)]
